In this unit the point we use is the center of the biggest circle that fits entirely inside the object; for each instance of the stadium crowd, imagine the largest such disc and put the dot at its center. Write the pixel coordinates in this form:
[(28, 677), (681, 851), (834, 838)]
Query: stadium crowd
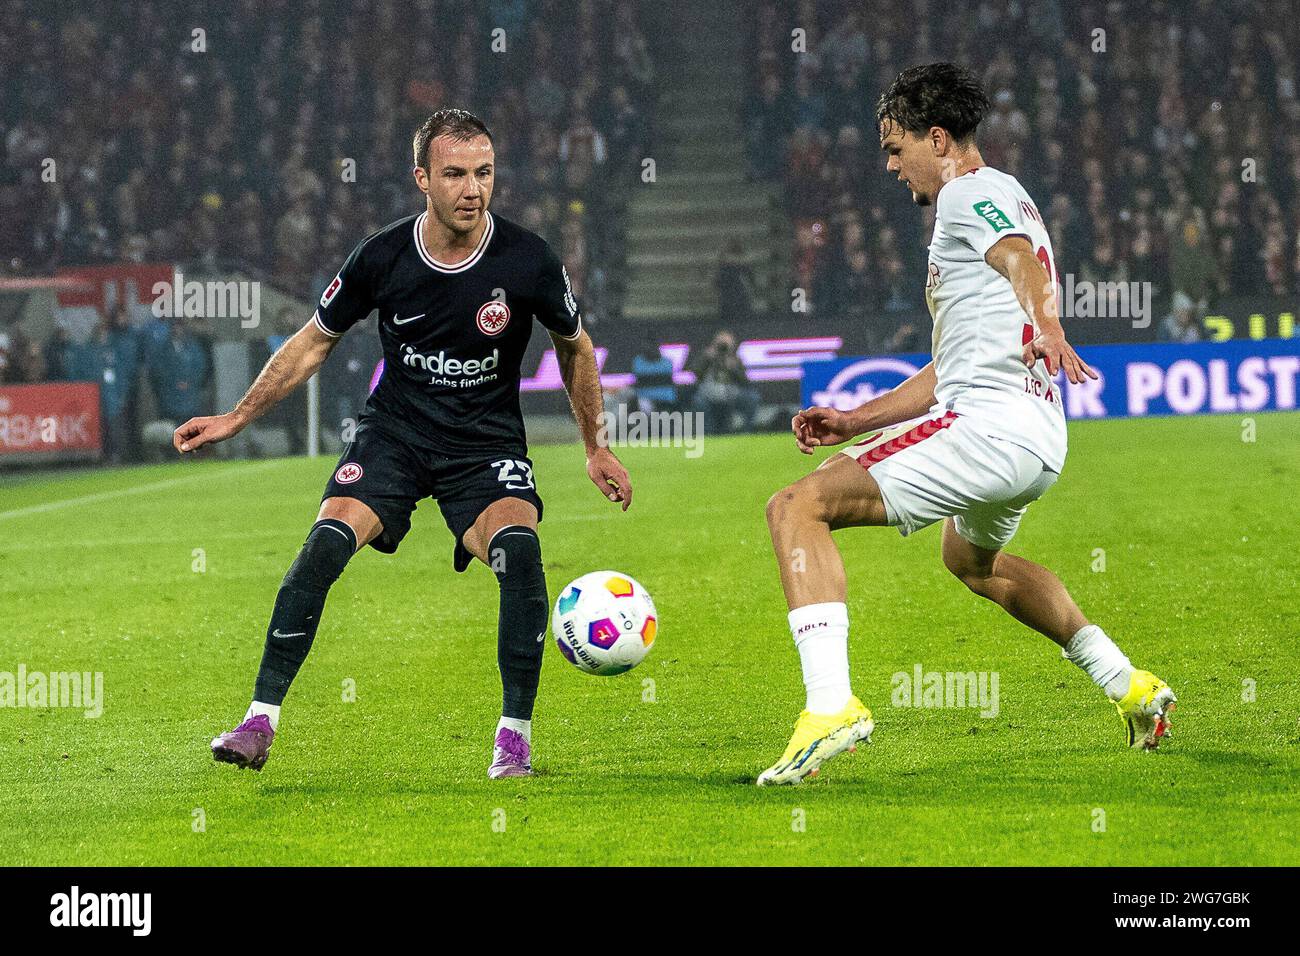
[(1170, 156), (280, 135), (270, 136), (1162, 140)]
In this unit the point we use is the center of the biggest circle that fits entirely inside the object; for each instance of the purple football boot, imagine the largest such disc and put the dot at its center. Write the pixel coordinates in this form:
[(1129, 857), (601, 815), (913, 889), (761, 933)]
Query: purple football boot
[(510, 755), (247, 745)]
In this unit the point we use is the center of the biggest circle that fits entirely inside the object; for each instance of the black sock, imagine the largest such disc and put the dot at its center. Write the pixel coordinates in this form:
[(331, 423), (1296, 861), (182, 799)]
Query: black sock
[(324, 554), (515, 556)]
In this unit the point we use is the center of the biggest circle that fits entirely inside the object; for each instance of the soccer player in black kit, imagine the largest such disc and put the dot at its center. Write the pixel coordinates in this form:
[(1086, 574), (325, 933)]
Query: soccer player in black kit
[(456, 289)]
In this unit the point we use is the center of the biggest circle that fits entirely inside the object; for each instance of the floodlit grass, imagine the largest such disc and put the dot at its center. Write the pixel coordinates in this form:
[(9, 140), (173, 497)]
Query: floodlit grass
[(162, 578)]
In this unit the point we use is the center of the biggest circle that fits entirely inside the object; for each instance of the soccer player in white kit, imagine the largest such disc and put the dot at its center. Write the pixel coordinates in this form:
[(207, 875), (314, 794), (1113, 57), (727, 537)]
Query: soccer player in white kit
[(971, 439)]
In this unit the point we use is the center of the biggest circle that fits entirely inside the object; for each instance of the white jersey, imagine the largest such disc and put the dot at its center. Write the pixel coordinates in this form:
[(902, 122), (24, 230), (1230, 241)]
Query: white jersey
[(980, 328)]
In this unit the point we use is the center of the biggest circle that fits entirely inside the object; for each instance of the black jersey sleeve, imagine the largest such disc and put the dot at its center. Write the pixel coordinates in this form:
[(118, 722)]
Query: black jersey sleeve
[(348, 298), (554, 303)]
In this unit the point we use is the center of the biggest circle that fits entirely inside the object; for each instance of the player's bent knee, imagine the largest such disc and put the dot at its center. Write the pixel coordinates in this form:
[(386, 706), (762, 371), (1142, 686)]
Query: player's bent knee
[(776, 507), (839, 496), (495, 518), (975, 574), (790, 503), (329, 546), (976, 583), (966, 561), (356, 514), (515, 557)]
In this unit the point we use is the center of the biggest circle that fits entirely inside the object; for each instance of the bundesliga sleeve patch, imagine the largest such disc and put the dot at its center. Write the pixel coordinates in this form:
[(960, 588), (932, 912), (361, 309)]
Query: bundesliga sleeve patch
[(991, 214), (331, 291)]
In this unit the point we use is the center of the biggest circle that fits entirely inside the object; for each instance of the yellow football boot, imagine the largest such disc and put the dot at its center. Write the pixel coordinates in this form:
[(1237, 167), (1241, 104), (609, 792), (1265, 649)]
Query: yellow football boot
[(1145, 710), (817, 739)]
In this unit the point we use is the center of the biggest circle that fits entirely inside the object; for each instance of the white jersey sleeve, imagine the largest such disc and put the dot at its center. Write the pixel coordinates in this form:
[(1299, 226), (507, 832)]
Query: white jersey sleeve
[(972, 215)]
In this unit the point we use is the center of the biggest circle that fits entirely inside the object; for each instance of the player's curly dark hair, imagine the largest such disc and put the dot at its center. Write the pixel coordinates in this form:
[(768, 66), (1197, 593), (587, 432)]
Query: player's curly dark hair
[(458, 124), (937, 94)]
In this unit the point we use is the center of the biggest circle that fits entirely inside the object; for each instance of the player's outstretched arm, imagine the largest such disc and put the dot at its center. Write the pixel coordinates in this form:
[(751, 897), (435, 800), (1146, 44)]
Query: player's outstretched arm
[(815, 427), (577, 358), (292, 364), (1014, 259)]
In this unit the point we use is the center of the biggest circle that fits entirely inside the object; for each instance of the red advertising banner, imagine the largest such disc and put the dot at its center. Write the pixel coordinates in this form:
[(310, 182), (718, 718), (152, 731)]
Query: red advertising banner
[(59, 419), (127, 283)]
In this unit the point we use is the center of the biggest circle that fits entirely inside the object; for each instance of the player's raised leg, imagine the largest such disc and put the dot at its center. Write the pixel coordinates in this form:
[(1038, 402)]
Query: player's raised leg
[(504, 537), (1035, 597), (343, 526), (801, 517)]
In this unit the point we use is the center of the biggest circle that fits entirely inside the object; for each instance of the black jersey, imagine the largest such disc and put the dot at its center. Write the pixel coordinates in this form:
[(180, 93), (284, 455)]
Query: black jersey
[(453, 335)]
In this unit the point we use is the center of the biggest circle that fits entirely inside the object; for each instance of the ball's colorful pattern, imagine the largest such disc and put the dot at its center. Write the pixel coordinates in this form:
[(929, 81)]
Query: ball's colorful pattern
[(604, 623), (619, 587), (602, 633)]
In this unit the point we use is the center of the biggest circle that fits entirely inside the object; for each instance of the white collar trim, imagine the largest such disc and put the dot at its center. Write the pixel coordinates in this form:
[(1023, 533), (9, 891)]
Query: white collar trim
[(434, 264)]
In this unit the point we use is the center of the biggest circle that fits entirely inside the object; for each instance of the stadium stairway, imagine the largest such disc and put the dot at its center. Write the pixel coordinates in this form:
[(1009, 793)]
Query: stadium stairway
[(701, 197)]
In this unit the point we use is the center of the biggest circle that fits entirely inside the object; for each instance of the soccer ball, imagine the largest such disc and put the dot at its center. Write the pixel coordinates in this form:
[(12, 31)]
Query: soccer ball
[(604, 623)]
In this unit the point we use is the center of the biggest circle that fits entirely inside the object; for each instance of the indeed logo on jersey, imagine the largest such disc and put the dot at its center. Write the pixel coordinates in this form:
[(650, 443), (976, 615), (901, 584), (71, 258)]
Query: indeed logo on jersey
[(467, 372)]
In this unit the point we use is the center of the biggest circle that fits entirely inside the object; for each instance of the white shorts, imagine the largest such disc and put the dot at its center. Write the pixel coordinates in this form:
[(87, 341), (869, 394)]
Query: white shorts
[(945, 467)]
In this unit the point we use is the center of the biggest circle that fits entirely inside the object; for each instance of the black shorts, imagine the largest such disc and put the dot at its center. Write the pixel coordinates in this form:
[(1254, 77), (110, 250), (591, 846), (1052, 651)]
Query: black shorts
[(390, 477)]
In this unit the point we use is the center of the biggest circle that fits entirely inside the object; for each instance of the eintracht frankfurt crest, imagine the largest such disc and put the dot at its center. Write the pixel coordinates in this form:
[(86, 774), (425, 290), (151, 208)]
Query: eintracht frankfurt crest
[(492, 317), (348, 473)]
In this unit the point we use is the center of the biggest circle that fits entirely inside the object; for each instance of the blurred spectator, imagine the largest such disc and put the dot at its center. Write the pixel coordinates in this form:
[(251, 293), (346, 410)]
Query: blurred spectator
[(55, 354), (9, 349), (1180, 325), (627, 129), (767, 117), (31, 362), (735, 284), (654, 388), (582, 149), (1103, 265), (111, 358), (1193, 270), (722, 389), (861, 297), (853, 293), (179, 370)]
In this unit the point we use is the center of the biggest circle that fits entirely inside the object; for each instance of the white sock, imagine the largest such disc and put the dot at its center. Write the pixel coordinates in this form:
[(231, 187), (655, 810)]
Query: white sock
[(821, 633), (272, 712), (1100, 659), (524, 727)]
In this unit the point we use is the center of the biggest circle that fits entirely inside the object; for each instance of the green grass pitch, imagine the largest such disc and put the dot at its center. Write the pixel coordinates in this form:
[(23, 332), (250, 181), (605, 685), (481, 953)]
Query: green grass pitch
[(1198, 529)]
